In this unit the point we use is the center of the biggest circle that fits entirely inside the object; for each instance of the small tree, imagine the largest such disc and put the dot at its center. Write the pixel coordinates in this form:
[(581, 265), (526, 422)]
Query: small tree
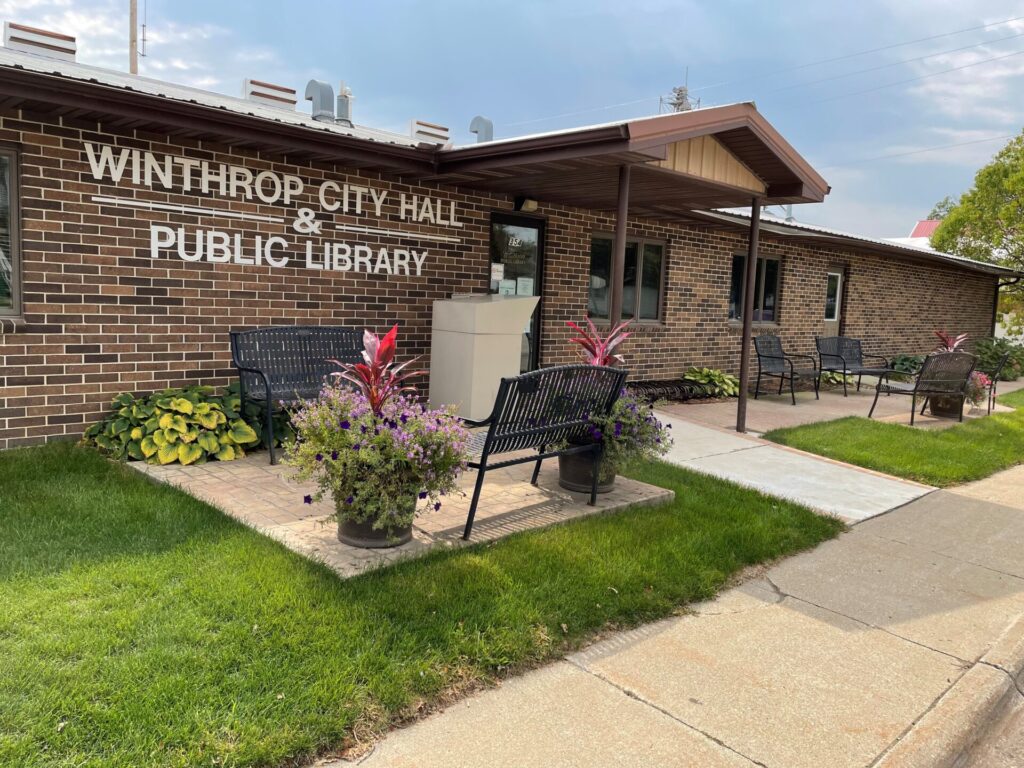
[(987, 223)]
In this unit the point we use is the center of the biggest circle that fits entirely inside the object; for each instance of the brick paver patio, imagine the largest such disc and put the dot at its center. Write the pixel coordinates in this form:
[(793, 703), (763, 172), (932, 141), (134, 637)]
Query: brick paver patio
[(265, 498)]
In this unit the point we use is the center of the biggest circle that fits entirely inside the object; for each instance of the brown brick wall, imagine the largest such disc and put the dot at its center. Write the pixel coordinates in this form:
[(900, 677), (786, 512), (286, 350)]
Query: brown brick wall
[(101, 316)]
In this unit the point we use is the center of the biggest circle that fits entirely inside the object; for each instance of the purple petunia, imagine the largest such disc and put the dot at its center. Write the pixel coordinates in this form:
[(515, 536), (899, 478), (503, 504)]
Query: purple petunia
[(423, 494), (355, 447), (437, 505), (319, 457), (307, 499), (349, 500), (334, 455), (346, 424)]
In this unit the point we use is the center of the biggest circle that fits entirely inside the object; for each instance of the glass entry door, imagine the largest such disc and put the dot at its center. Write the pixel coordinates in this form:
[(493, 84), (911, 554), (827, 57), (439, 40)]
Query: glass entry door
[(517, 252)]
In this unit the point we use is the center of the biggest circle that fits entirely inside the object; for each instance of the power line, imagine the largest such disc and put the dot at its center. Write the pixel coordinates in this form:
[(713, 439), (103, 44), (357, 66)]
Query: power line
[(915, 79), (895, 63), (913, 152), (777, 72), (861, 53)]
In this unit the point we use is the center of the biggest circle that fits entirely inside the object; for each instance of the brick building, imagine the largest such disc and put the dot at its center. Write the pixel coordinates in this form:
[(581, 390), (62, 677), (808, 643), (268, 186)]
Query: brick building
[(141, 221)]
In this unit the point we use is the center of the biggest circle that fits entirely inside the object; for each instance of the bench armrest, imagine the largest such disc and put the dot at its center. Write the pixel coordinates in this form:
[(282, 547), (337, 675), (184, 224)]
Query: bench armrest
[(805, 357), (476, 422), (883, 358)]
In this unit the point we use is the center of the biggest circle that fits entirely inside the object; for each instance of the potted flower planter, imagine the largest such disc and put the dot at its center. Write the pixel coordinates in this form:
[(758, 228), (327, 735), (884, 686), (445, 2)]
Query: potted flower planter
[(576, 472), (947, 406)]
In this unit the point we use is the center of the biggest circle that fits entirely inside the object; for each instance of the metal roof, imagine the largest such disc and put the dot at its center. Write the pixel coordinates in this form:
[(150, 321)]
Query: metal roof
[(185, 94), (775, 225)]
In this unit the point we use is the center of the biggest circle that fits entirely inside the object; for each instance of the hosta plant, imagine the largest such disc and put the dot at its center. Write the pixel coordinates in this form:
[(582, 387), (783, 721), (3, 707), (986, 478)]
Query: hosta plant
[(597, 349), (184, 426), (717, 382)]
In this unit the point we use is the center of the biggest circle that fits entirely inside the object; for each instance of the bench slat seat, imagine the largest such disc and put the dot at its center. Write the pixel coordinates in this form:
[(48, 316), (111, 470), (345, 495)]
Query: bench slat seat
[(286, 364), (539, 410)]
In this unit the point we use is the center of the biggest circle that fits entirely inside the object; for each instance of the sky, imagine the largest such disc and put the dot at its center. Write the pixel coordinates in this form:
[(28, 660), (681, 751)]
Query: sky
[(896, 103)]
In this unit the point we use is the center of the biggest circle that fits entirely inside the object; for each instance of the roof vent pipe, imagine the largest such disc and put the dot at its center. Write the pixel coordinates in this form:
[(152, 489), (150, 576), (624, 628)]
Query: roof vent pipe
[(483, 128), (345, 98), (42, 42), (322, 96)]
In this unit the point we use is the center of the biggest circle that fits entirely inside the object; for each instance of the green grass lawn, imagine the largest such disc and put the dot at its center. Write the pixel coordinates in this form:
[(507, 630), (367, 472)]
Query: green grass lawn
[(942, 457), (141, 627)]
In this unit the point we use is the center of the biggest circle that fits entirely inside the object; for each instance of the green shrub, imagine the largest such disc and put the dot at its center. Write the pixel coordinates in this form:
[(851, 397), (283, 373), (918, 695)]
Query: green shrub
[(188, 426), (907, 365), (991, 350), (718, 382), (836, 379)]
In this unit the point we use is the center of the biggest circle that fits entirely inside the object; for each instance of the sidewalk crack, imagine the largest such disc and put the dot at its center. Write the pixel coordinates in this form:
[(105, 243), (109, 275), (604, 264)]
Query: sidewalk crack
[(637, 697)]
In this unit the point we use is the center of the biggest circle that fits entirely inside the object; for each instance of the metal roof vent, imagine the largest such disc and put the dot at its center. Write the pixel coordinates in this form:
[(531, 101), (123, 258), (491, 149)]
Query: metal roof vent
[(322, 96), (345, 99), (429, 132), (18, 37), (483, 128), (267, 93)]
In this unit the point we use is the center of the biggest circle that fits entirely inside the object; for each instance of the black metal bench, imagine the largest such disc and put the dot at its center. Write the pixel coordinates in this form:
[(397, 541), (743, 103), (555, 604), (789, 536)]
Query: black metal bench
[(538, 410), (285, 364), (944, 374), (841, 354), (773, 362)]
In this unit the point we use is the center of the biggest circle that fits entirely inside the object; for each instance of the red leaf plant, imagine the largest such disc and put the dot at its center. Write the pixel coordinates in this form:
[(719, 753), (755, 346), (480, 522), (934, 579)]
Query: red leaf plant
[(375, 378), (596, 349), (948, 342)]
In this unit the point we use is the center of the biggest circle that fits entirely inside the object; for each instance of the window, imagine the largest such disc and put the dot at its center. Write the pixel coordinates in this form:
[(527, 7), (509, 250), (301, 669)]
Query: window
[(9, 268), (766, 290), (641, 283), (834, 281)]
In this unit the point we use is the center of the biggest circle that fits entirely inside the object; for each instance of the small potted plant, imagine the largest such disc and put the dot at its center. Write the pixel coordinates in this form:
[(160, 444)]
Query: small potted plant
[(947, 406), (977, 388), (628, 434), (380, 454)]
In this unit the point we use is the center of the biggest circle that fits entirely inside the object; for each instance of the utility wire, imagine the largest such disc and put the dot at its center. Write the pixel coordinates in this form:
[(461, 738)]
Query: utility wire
[(912, 152), (861, 53), (915, 79), (772, 74), (894, 64)]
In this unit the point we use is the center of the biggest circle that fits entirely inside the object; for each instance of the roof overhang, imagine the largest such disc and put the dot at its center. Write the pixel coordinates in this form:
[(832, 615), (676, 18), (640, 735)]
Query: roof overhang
[(857, 243), (718, 157)]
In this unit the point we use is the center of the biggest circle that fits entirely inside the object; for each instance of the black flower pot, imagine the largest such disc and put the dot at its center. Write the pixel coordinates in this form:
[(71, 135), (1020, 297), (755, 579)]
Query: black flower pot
[(946, 406), (576, 472), (366, 536)]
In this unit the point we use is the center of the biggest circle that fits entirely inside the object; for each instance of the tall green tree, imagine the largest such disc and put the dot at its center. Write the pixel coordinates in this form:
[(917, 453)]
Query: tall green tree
[(987, 223)]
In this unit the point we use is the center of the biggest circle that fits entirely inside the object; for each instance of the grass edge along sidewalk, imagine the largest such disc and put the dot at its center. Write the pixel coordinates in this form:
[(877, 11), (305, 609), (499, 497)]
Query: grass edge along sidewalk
[(143, 627), (941, 457)]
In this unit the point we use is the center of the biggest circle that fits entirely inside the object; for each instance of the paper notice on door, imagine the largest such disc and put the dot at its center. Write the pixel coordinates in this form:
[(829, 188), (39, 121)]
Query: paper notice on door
[(524, 286), (497, 272), (507, 287)]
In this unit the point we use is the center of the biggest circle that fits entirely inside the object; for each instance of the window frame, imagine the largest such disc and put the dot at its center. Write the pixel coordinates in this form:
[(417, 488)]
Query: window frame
[(14, 213), (839, 295), (640, 243), (759, 282)]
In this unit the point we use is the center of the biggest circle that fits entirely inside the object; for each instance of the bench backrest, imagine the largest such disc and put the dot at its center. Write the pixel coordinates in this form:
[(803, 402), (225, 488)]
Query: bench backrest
[(839, 352), (293, 357), (946, 373), (769, 353), (551, 405)]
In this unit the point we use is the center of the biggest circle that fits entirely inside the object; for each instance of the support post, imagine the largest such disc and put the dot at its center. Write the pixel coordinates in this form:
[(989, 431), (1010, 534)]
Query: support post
[(133, 36), (618, 266), (750, 273)]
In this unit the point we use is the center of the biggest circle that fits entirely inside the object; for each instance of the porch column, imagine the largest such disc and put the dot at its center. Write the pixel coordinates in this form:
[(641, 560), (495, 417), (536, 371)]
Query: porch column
[(750, 272), (618, 266)]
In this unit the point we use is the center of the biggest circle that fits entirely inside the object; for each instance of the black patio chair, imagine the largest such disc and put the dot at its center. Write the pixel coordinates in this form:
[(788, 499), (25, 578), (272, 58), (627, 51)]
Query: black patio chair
[(773, 362), (944, 374), (841, 354), (994, 374)]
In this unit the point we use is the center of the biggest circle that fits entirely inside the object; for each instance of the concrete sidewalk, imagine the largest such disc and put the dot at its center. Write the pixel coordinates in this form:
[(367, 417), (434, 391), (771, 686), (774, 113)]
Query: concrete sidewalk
[(886, 646), (827, 486)]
